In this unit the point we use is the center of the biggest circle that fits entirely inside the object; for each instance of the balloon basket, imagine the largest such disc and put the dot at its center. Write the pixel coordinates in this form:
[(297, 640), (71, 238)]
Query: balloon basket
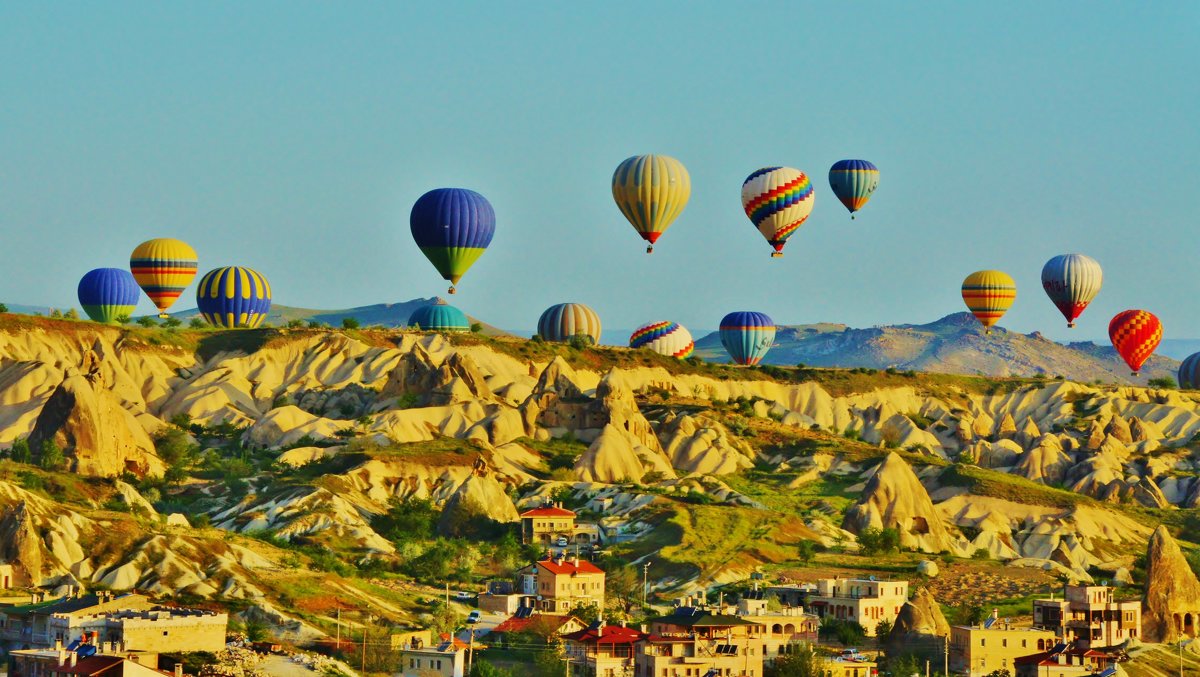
[(650, 249), (776, 255), (451, 291), (1070, 325), (851, 217), (163, 316)]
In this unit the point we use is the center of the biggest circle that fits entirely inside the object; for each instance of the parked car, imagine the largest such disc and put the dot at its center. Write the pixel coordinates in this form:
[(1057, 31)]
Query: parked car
[(463, 596), (473, 617), (563, 542)]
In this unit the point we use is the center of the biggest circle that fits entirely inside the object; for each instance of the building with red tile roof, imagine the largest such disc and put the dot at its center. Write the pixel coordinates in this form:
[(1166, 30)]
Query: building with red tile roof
[(602, 649), (563, 584)]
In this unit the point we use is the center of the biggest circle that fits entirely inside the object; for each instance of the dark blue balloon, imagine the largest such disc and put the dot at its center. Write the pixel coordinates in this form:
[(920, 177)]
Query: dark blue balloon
[(453, 227), (108, 293)]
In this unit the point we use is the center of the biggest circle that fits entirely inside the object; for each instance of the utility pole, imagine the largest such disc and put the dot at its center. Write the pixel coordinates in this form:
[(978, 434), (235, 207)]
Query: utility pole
[(470, 649), (339, 628), (645, 583), (946, 657)]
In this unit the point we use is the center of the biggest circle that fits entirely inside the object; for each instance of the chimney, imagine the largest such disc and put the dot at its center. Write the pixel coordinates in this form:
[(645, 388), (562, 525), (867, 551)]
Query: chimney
[(57, 644), (995, 614), (73, 657), (179, 670)]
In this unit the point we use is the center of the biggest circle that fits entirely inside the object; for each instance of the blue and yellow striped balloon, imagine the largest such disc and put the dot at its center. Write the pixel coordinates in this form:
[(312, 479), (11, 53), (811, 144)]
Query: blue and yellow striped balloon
[(234, 297), (108, 294), (439, 317), (651, 191), (853, 181), (747, 336)]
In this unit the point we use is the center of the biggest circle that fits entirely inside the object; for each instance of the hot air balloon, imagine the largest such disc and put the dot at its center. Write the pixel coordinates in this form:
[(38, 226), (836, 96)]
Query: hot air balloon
[(747, 336), (107, 294), (163, 267), (1189, 372), (234, 297), (988, 295), (439, 317), (853, 181), (1135, 334), (1071, 281), (665, 338), (453, 227), (565, 320), (777, 200), (651, 191)]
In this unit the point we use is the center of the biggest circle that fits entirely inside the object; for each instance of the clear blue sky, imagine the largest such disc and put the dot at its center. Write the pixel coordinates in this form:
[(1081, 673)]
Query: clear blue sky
[(294, 138)]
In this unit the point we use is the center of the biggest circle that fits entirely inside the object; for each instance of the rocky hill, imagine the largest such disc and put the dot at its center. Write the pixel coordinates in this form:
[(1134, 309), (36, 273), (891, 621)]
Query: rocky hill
[(319, 465), (955, 344)]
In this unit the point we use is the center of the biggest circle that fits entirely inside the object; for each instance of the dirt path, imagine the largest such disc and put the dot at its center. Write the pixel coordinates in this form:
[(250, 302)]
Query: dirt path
[(280, 666)]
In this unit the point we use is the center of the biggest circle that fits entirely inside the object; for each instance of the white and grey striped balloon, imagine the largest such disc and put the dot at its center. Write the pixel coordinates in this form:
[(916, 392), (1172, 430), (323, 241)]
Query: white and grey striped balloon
[(1072, 281)]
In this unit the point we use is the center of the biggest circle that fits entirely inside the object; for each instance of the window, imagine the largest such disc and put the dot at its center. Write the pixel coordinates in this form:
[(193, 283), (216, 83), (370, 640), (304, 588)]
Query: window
[(164, 633), (982, 641), (1004, 642), (1023, 643)]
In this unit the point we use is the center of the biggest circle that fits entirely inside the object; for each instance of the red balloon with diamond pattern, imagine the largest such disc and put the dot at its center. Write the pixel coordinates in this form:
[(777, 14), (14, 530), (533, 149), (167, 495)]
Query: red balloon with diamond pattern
[(1135, 334)]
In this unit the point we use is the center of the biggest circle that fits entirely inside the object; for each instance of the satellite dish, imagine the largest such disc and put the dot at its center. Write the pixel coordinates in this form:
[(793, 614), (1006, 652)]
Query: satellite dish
[(1104, 582), (872, 577)]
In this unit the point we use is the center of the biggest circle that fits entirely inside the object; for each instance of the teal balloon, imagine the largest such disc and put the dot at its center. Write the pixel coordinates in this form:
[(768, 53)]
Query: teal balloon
[(439, 317), (747, 336)]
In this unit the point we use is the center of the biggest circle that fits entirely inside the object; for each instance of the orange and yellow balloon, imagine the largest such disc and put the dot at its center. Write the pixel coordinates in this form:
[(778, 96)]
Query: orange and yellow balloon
[(1135, 334), (988, 295), (163, 268)]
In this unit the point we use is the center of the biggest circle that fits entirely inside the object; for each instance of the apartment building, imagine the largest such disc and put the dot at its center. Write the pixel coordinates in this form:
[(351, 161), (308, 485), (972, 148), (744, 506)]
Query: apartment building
[(1089, 616), (563, 584), (603, 650), (446, 659), (995, 645), (862, 601), (780, 627), (694, 642)]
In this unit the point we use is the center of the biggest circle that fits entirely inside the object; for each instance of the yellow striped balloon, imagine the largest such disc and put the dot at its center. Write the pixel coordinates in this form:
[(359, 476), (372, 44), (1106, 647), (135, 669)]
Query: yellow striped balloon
[(988, 295), (234, 297), (163, 268), (651, 191)]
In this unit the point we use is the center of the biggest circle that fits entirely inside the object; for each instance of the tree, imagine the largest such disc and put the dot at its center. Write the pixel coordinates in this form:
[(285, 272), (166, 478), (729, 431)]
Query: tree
[(879, 541), (20, 450), (314, 324), (882, 629), (71, 314), (800, 661), (124, 318), (482, 668), (295, 323), (172, 322), (974, 614), (1002, 672), (476, 327), (52, 456), (197, 323), (350, 323), (805, 551), (1165, 382), (903, 666), (147, 321), (3, 308)]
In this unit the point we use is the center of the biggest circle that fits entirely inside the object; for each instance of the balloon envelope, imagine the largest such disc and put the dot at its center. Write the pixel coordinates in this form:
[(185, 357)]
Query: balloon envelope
[(1072, 281), (988, 295), (747, 336), (665, 338), (777, 200), (452, 227), (234, 297), (651, 191), (439, 317), (1189, 372), (562, 321), (853, 182), (107, 294), (1135, 334), (163, 267)]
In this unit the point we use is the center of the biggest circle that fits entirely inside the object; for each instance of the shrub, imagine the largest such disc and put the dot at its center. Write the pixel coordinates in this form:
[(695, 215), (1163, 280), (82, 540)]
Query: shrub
[(20, 451), (124, 318), (314, 324), (981, 553), (536, 338), (147, 321), (581, 341), (3, 308), (476, 327), (879, 541), (295, 323), (197, 323), (350, 323), (52, 456), (1162, 382)]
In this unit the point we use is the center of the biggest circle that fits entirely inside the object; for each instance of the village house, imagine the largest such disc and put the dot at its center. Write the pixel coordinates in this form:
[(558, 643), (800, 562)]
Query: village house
[(602, 650), (41, 622), (554, 525), (857, 600), (1088, 616), (845, 666), (1063, 660), (159, 629), (780, 627), (107, 660), (563, 584), (6, 577), (540, 624), (982, 649), (693, 642), (446, 659)]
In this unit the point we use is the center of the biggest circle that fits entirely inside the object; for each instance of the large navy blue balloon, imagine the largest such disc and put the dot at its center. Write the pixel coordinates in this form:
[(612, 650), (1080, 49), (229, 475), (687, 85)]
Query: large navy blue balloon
[(452, 226), (234, 297), (747, 336), (107, 294)]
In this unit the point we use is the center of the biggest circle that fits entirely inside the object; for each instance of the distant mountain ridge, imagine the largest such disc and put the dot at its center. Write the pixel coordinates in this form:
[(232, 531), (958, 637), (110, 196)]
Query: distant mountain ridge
[(953, 344)]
